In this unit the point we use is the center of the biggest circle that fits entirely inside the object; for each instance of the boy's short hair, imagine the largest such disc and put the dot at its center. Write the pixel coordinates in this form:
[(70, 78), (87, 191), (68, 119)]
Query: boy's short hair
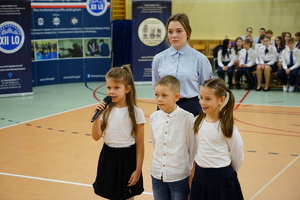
[(291, 40), (269, 32), (171, 81)]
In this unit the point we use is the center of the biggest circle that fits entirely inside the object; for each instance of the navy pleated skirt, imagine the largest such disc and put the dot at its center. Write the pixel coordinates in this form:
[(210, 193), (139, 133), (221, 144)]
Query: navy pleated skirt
[(215, 184), (115, 167)]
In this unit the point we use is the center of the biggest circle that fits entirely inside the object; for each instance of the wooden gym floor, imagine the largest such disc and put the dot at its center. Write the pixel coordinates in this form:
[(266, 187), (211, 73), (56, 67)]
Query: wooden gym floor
[(47, 152)]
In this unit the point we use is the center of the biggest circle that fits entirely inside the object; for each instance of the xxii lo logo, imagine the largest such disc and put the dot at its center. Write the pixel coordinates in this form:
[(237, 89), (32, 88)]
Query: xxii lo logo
[(11, 37)]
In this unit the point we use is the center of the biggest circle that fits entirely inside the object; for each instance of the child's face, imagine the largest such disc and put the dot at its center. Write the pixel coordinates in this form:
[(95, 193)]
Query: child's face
[(266, 42), (291, 45), (209, 101), (246, 45), (117, 91), (165, 98), (239, 43)]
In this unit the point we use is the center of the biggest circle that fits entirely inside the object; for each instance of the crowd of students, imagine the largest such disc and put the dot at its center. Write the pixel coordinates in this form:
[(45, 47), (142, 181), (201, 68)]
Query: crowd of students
[(264, 55)]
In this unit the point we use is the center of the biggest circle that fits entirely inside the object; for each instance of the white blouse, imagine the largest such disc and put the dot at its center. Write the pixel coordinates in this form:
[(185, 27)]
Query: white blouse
[(216, 151), (119, 126)]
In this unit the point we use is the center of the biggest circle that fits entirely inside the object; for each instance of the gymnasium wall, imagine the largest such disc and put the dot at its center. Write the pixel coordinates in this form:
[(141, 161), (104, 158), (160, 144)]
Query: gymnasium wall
[(216, 19)]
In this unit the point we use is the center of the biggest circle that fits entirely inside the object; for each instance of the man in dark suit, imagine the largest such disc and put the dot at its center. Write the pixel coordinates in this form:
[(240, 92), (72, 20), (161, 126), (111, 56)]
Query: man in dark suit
[(104, 48)]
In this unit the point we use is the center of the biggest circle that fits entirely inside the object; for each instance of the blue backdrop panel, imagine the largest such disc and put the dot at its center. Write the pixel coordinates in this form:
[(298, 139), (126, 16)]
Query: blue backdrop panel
[(46, 73), (148, 33), (15, 63), (61, 31), (70, 71), (122, 51), (94, 69)]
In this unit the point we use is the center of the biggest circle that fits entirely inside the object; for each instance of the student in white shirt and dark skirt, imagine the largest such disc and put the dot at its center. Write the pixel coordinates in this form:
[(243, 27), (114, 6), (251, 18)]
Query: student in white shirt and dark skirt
[(220, 146), (280, 46), (246, 64), (119, 171), (267, 55), (226, 57), (290, 63), (173, 141)]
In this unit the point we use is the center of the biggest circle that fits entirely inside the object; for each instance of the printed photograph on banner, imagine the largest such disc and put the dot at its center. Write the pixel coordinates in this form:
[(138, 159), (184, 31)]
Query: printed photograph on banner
[(151, 32), (70, 48), (97, 47), (44, 49), (32, 50)]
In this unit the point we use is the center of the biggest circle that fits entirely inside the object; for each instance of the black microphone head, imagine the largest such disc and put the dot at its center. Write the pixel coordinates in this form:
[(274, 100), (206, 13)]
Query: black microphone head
[(107, 99)]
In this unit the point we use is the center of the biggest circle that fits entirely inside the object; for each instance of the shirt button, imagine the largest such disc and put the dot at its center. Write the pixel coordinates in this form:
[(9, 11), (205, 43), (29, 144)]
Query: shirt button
[(166, 132), (163, 165), (166, 121), (164, 154), (164, 143)]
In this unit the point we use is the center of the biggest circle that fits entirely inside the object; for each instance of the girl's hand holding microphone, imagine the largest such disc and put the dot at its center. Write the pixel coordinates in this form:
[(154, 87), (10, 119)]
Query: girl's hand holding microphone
[(101, 107)]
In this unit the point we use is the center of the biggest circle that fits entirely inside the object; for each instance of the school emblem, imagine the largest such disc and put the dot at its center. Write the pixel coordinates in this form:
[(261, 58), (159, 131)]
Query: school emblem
[(74, 20), (40, 21), (11, 37), (56, 21), (96, 7)]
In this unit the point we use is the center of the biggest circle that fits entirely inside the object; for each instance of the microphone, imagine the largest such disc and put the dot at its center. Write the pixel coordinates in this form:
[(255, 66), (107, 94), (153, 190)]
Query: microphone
[(107, 101)]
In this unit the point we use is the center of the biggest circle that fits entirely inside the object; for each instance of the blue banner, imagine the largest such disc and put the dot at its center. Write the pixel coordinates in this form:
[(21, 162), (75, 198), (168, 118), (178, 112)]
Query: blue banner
[(148, 29), (70, 41), (15, 63)]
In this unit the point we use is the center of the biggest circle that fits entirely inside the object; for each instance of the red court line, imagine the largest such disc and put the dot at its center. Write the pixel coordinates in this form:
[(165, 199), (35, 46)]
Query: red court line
[(274, 129), (94, 92), (245, 95), (270, 133)]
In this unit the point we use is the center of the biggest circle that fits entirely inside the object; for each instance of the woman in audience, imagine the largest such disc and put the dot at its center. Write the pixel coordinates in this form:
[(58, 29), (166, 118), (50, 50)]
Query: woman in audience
[(226, 57), (280, 46), (238, 45), (286, 37), (246, 64), (258, 46), (267, 55)]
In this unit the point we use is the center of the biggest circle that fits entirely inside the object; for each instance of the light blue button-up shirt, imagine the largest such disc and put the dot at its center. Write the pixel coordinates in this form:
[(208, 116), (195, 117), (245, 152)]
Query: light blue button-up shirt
[(188, 65)]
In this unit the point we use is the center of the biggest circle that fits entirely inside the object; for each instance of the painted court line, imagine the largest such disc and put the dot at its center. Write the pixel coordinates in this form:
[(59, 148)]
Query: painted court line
[(53, 180), (265, 186)]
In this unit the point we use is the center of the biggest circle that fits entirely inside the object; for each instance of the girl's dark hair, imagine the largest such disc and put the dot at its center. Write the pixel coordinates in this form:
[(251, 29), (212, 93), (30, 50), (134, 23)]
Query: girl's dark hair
[(261, 37), (123, 75), (226, 113), (248, 42), (225, 47), (235, 45), (282, 43), (185, 22)]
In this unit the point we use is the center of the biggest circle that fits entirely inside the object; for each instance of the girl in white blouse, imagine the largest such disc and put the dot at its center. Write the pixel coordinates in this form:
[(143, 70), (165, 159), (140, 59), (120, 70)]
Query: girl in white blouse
[(220, 146), (119, 173), (280, 46), (267, 55), (226, 57)]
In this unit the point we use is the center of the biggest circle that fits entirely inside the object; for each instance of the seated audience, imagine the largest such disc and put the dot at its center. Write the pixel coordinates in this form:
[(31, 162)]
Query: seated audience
[(290, 66), (246, 64), (267, 55), (226, 57)]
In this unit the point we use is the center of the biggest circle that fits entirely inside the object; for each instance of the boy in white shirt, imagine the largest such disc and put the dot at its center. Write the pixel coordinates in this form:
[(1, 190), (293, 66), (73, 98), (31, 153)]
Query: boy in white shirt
[(290, 66), (174, 143)]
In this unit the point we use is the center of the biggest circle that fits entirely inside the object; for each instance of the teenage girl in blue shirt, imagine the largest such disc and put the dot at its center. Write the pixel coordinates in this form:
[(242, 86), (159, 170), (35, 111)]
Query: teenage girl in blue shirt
[(188, 65)]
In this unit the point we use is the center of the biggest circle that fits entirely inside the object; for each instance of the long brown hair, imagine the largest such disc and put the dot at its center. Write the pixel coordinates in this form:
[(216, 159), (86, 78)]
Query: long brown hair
[(226, 113), (123, 75)]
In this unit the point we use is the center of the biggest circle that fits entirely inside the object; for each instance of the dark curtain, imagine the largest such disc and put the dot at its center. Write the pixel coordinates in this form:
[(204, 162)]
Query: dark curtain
[(121, 42)]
